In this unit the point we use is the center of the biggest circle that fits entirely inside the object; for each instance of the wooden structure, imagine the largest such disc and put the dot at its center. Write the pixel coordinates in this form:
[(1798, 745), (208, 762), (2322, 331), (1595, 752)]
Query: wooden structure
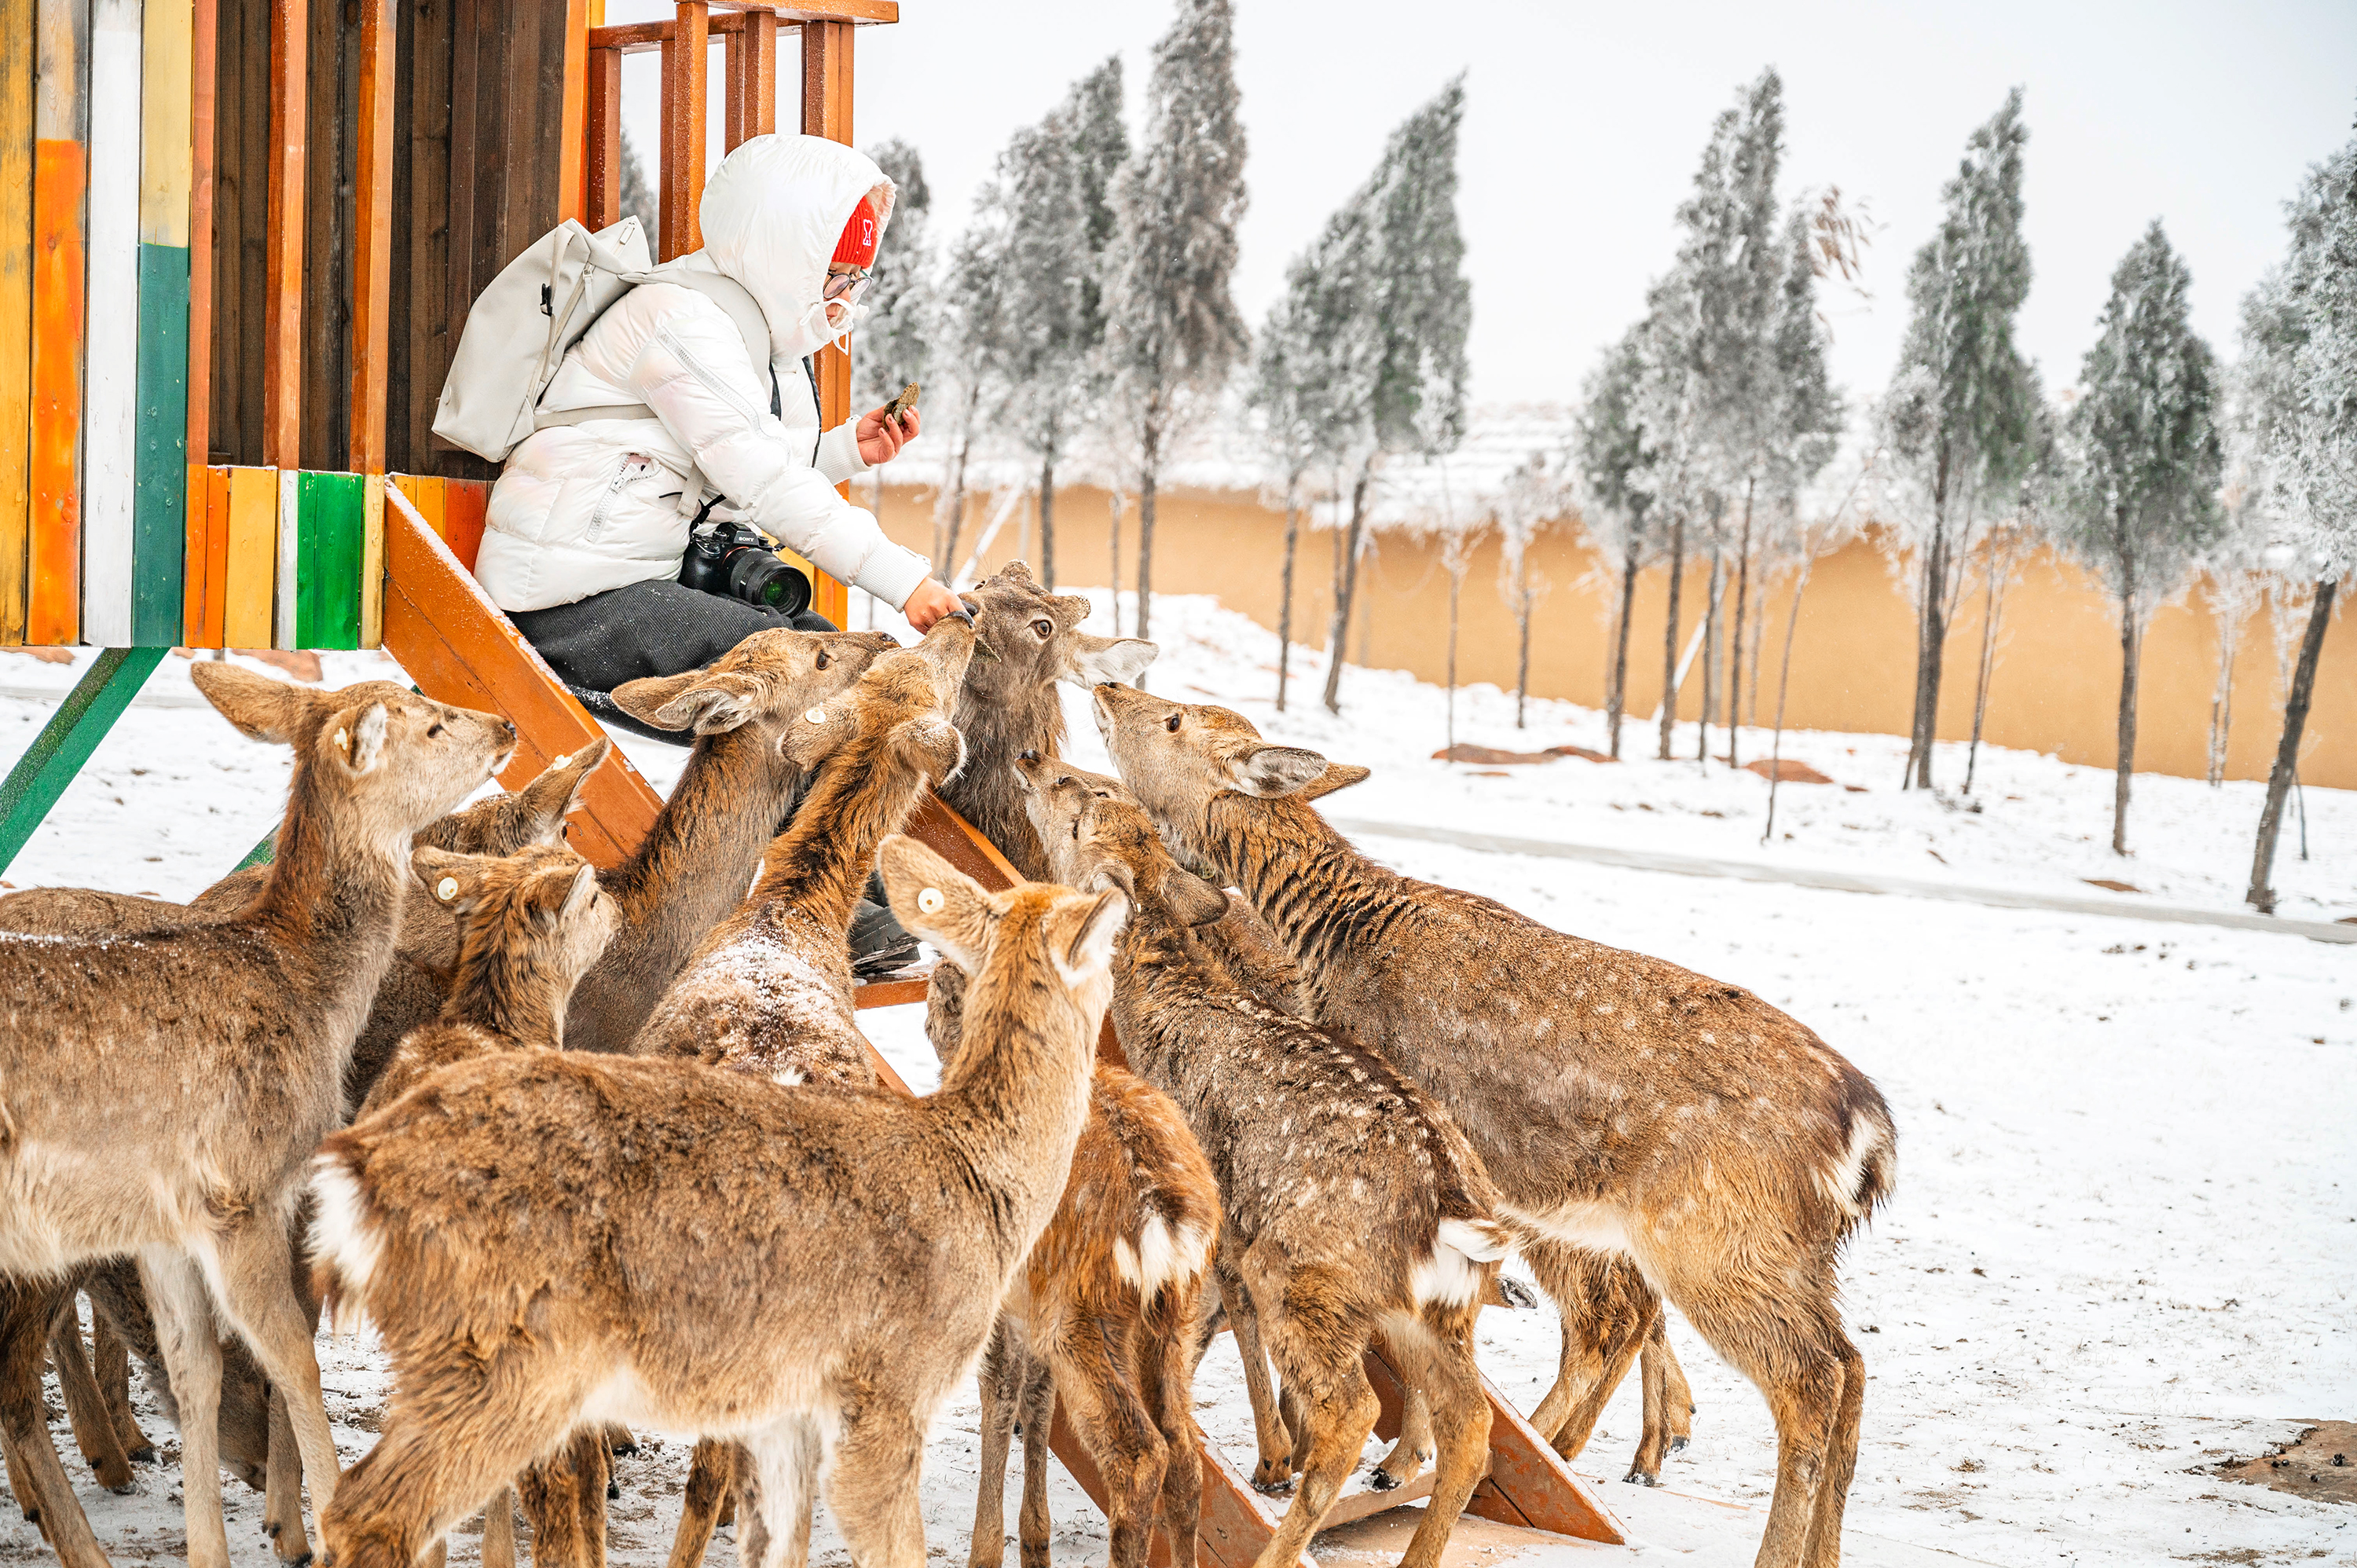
[(253, 286)]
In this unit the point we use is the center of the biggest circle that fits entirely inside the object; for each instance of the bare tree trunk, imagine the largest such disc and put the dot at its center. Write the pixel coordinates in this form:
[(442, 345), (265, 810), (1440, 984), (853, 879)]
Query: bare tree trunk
[(1048, 520), (2131, 648), (1758, 635), (1670, 637), (1149, 459), (1991, 609), (1735, 664), (1455, 582), (2222, 701), (1711, 651), (1285, 609), (945, 532), (1367, 611), (1930, 639), (1616, 695), (1783, 686), (2286, 766), (1347, 592), (1117, 502), (1522, 614)]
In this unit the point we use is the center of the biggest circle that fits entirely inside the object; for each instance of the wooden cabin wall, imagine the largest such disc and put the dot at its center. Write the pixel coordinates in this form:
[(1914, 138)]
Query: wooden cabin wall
[(241, 211)]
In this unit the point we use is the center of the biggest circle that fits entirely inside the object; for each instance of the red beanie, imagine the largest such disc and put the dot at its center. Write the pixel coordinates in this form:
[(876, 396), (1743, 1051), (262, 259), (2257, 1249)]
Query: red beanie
[(857, 246)]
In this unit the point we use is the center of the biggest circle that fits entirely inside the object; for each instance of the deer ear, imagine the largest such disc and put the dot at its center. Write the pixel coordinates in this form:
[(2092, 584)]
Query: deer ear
[(583, 889), (455, 881), (1080, 935), (1194, 900), (1337, 776), (937, 746), (1096, 661), (262, 708), (814, 733), (357, 739), (1271, 771), (556, 793), (708, 702), (1070, 609), (936, 900)]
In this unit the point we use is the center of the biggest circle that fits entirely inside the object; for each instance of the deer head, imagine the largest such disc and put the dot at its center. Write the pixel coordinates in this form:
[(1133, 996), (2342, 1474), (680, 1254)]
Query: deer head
[(1033, 937), (901, 703), (1037, 638), (539, 911), (1098, 836), (768, 679), (1178, 757), (504, 823)]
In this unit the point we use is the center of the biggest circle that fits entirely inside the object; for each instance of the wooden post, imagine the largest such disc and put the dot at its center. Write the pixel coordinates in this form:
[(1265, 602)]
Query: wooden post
[(572, 142), (65, 743), (17, 50), (603, 130), (200, 611), (159, 559), (110, 410), (281, 310), (683, 99), (372, 240), (826, 112), (60, 171)]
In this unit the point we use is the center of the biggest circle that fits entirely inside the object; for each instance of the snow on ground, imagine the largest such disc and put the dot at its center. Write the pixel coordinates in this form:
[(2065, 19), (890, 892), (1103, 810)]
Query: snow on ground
[(2125, 1245)]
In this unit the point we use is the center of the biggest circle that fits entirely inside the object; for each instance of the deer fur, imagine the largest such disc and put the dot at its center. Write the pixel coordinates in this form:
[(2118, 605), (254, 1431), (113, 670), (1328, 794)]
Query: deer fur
[(694, 866), (809, 1269), (1652, 1114), (1355, 1209), (104, 1152)]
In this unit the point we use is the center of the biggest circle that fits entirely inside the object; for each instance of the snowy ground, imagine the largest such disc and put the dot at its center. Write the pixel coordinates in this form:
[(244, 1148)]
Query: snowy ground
[(2126, 1242)]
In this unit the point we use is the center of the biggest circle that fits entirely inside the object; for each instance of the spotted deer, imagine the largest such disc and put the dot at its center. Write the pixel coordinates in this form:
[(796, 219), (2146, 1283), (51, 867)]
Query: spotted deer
[(102, 1150), (809, 1269), (1649, 1114), (1354, 1209)]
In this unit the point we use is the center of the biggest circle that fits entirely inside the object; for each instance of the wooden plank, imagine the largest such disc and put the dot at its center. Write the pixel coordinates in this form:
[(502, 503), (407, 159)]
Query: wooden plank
[(459, 647), (422, 290), (935, 823), (464, 503), (250, 567), (684, 67), (287, 560), (603, 199), (572, 143), (1529, 1485), (325, 398), (372, 560), (60, 171), (1235, 1525), (203, 96), (160, 478), (371, 239), (17, 50), (110, 410), (328, 596), (761, 33), (426, 494), (733, 105), (65, 743), (214, 608), (827, 111), (281, 330), (639, 37)]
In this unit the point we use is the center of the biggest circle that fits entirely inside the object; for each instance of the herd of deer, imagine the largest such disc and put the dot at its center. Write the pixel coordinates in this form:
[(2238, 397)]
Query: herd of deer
[(622, 1157)]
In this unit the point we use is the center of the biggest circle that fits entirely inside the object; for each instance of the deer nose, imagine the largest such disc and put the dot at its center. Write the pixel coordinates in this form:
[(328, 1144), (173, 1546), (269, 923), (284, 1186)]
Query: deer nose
[(1027, 757)]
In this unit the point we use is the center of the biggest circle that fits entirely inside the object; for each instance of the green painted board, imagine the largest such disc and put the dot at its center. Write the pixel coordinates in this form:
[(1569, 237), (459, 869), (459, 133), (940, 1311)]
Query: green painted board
[(328, 569), (159, 468), (65, 743)]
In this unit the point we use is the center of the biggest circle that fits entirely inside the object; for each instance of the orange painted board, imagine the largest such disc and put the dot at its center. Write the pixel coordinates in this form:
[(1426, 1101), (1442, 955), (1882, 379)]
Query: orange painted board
[(250, 571), (1529, 1485), (572, 183), (427, 493), (462, 517), (213, 571), (17, 50), (53, 577), (202, 617)]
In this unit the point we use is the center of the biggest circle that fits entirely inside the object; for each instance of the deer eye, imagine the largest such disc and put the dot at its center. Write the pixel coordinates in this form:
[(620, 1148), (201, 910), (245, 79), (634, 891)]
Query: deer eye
[(1044, 628), (1076, 830), (1171, 723), (433, 729), (822, 659)]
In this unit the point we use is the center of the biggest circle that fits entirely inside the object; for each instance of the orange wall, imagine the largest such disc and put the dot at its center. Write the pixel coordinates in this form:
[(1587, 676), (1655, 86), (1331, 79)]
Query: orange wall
[(2055, 689)]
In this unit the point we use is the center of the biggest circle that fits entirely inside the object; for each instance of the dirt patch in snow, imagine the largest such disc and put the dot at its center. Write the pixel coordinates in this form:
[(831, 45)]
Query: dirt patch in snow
[(2321, 1467)]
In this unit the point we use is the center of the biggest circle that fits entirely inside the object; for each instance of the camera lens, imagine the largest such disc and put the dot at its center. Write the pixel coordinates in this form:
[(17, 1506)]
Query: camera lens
[(758, 577)]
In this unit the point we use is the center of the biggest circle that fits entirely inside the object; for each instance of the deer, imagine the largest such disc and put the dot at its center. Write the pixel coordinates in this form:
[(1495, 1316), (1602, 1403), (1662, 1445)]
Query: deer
[(1652, 1115), (1354, 1209), (807, 1269), (102, 1153)]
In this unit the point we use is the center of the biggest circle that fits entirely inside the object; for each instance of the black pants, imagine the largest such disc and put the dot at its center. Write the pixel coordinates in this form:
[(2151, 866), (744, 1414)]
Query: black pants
[(657, 627)]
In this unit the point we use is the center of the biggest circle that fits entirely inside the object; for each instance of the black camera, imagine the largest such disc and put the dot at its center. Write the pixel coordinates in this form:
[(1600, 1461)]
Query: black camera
[(741, 561)]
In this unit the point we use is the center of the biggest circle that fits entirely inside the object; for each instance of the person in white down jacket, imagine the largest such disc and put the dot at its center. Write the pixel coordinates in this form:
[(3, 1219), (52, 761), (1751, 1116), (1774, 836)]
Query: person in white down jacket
[(589, 522)]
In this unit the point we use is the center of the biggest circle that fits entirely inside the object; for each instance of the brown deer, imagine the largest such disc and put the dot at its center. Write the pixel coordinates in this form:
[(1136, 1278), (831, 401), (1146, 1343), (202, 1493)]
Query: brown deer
[(102, 1150), (1648, 1114), (807, 1269), (1355, 1209), (694, 866)]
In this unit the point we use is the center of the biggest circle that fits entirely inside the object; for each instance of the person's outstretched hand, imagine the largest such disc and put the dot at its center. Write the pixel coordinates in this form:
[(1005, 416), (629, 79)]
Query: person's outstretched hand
[(928, 603), (880, 439)]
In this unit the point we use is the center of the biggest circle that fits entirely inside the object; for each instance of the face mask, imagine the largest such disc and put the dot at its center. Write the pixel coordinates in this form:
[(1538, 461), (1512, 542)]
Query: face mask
[(828, 321)]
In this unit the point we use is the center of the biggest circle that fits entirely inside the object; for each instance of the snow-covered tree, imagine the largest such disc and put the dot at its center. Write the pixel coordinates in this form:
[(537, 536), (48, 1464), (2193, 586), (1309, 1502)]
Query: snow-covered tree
[(2300, 345), (2145, 459), (636, 197), (1532, 496), (1050, 199), (1956, 424), (894, 345), (2004, 545), (1610, 451), (1173, 333), (1402, 255), (973, 341)]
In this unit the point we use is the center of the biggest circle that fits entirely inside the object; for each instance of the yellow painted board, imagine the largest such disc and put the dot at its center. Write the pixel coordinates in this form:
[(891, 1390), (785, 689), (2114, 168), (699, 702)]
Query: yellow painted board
[(430, 495), (167, 159), (252, 557), (372, 561)]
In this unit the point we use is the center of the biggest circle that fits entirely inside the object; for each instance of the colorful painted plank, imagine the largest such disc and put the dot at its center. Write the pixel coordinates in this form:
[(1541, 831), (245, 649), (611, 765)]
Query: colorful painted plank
[(110, 408), (159, 542), (426, 494), (372, 561), (462, 503), (60, 171), (251, 563), (65, 743), (203, 55), (288, 565), (327, 574), (211, 575), (16, 48)]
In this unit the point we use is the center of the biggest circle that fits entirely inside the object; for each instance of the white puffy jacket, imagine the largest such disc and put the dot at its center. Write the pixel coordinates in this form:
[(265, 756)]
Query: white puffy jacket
[(582, 509)]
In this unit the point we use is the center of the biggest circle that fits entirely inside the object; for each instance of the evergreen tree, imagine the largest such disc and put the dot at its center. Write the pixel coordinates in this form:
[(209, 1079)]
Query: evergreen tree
[(1413, 309), (1173, 332), (894, 346), (637, 197), (972, 337), (2143, 501), (1610, 450), (1531, 497), (2300, 345), (2005, 545)]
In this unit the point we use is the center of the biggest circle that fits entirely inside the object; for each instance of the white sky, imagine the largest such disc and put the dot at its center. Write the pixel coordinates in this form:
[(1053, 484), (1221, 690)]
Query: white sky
[(1583, 123)]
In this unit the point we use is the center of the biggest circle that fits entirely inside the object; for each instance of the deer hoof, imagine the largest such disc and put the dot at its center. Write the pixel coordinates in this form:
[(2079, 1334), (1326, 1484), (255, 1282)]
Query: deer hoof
[(1642, 1478), (1382, 1481), (613, 1490), (143, 1455), (1678, 1443), (1271, 1478)]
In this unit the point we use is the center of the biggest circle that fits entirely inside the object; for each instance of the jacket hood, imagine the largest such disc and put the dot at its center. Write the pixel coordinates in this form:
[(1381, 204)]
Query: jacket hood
[(771, 215)]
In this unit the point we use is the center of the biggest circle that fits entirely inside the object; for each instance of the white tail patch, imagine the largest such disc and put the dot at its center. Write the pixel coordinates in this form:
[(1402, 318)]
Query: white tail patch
[(1451, 1275), (1160, 1256), (342, 1237), (1840, 1180)]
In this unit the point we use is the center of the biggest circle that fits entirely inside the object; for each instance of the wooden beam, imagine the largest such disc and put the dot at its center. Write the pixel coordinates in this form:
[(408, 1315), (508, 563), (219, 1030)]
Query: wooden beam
[(372, 240), (199, 613), (603, 202), (826, 112), (282, 310), (65, 743), (573, 147), (60, 172), (160, 486), (760, 73), (685, 76), (16, 50)]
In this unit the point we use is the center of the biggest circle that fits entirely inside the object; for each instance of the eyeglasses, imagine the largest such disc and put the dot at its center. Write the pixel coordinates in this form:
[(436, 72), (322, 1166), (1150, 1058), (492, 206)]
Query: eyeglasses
[(846, 287)]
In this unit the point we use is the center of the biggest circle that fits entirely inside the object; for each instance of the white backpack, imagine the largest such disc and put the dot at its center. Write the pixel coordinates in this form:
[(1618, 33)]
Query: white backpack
[(520, 326)]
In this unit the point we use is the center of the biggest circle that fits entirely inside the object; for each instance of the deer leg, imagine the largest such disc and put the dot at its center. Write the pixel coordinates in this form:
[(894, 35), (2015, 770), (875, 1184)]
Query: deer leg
[(1823, 1547), (1105, 1408), (20, 1485), (93, 1424), (1436, 1352), (282, 1487), (1606, 1308), (499, 1530), (785, 1459), (184, 1326), (111, 1362), (27, 1312), (874, 1487), (1413, 1450), (1677, 1393), (1274, 1473), (257, 1293), (999, 1383), (1318, 1351), (712, 1474), (1163, 1351), (620, 1441), (563, 1495), (1653, 1443), (1039, 1407)]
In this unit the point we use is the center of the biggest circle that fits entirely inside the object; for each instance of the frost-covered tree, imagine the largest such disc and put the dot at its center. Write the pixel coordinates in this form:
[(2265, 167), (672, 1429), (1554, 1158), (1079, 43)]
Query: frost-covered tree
[(1051, 198), (2004, 545), (1173, 333), (972, 340), (1404, 342), (894, 345), (2235, 575), (1956, 424), (637, 197), (1608, 449), (2300, 342), (2143, 496), (1532, 496)]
